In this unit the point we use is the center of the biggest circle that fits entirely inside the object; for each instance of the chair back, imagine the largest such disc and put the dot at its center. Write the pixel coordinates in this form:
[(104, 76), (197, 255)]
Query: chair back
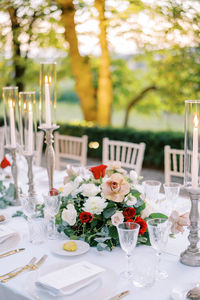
[(174, 163), (70, 148), (130, 155)]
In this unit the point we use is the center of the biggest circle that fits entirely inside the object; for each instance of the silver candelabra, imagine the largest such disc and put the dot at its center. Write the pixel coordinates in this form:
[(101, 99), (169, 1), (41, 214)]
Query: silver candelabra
[(191, 256), (14, 170), (31, 190), (49, 153)]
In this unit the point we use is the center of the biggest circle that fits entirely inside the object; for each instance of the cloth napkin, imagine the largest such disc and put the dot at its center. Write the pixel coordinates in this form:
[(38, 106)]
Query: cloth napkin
[(5, 233), (68, 280)]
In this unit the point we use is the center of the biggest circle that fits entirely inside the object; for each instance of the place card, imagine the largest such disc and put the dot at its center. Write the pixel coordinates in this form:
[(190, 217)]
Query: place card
[(70, 279), (5, 233)]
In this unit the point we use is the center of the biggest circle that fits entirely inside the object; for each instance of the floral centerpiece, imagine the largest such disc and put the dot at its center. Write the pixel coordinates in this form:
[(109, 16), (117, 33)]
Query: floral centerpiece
[(95, 201)]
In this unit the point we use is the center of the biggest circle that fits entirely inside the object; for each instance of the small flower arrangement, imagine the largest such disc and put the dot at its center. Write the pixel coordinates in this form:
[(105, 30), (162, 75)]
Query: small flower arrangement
[(95, 201)]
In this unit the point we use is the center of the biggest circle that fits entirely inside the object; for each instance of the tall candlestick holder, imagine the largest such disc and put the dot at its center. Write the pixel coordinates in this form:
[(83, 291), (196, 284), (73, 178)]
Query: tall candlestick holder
[(47, 109), (49, 153), (31, 190), (191, 256), (14, 170)]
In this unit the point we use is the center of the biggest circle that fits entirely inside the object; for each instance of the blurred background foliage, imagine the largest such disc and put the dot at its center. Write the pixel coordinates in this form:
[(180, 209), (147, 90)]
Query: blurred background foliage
[(146, 53)]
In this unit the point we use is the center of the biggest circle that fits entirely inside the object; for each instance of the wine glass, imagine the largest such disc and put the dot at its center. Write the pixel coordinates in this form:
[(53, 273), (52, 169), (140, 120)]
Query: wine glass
[(171, 193), (128, 233), (152, 189), (28, 205), (158, 234), (52, 205)]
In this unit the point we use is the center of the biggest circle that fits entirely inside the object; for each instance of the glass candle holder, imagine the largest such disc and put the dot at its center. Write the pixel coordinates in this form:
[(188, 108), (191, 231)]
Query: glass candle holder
[(47, 106), (27, 122), (192, 143), (10, 106)]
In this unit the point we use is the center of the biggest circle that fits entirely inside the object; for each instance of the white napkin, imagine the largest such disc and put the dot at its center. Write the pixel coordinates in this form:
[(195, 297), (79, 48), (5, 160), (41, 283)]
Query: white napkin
[(70, 279), (5, 233)]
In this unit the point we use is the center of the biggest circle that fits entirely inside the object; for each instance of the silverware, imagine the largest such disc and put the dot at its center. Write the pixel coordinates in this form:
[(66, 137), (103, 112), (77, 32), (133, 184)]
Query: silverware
[(11, 252), (119, 296), (31, 266), (19, 270), (194, 293)]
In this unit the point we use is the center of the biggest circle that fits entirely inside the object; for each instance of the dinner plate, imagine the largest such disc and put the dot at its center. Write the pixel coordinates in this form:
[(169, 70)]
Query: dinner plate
[(101, 288), (82, 247), (180, 292)]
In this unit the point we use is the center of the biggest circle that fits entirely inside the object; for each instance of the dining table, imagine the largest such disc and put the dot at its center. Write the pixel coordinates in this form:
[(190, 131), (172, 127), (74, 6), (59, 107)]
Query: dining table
[(22, 287)]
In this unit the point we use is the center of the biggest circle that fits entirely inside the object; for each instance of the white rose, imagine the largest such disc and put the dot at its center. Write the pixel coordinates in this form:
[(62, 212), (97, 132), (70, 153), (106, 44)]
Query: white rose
[(95, 205), (149, 209), (69, 215), (133, 176), (117, 218), (71, 187), (130, 200), (90, 190)]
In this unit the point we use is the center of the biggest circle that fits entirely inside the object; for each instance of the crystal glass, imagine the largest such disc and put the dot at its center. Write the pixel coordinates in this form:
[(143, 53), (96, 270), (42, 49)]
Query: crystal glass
[(52, 205), (192, 145), (171, 193), (37, 230), (128, 234), (47, 107), (27, 122), (158, 234), (28, 205), (144, 267), (151, 190), (10, 107)]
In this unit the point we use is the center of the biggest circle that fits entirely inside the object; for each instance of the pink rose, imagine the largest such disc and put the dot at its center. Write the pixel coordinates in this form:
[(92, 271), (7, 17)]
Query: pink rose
[(117, 218), (178, 222), (115, 188)]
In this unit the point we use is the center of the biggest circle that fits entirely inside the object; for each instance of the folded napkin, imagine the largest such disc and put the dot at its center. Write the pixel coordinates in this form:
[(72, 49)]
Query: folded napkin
[(5, 233), (70, 279)]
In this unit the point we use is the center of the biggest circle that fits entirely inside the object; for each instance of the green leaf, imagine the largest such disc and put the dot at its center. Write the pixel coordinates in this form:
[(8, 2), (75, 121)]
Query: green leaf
[(158, 215), (113, 232), (108, 212), (102, 240), (18, 213), (102, 246)]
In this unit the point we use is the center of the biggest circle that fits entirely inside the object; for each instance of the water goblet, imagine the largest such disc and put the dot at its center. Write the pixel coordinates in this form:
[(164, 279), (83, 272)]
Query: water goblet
[(128, 234), (158, 233), (151, 190), (171, 193), (28, 205), (52, 205)]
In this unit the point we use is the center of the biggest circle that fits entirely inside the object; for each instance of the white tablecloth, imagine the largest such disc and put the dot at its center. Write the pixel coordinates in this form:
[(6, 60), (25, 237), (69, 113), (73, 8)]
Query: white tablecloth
[(115, 260)]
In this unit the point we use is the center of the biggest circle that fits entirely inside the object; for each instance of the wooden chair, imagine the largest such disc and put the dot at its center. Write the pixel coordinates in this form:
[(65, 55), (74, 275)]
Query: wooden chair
[(130, 155), (174, 163), (70, 147), (39, 146)]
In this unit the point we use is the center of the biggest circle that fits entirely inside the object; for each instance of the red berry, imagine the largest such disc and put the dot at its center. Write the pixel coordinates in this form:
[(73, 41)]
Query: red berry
[(53, 192)]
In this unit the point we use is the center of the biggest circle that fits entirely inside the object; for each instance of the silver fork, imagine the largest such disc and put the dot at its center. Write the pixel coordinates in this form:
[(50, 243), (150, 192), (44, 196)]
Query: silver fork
[(33, 266)]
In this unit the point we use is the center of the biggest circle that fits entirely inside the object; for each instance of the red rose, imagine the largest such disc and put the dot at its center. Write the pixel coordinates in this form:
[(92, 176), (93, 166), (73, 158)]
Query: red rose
[(5, 163), (86, 217), (143, 225), (53, 192), (129, 212), (98, 171)]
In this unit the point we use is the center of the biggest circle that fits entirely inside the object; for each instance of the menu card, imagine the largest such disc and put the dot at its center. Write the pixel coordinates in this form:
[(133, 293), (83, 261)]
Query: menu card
[(69, 279)]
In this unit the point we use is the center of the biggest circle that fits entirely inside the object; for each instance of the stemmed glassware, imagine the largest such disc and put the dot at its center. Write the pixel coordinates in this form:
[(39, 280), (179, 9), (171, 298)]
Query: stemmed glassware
[(52, 205), (128, 234), (28, 206), (152, 189), (158, 234), (171, 193)]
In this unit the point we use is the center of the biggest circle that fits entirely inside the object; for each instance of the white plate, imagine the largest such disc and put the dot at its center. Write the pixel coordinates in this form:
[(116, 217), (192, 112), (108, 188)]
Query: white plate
[(103, 287), (7, 218), (82, 247), (180, 292)]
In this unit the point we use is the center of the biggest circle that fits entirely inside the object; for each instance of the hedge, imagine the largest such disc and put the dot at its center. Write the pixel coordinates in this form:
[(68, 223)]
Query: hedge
[(155, 141)]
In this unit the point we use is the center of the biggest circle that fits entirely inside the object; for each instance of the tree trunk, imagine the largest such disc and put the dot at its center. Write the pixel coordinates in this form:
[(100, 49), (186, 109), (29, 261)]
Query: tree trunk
[(105, 91), (135, 101), (80, 67), (19, 67)]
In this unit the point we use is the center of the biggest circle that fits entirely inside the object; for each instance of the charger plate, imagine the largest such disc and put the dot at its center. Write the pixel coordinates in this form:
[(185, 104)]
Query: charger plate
[(104, 286)]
